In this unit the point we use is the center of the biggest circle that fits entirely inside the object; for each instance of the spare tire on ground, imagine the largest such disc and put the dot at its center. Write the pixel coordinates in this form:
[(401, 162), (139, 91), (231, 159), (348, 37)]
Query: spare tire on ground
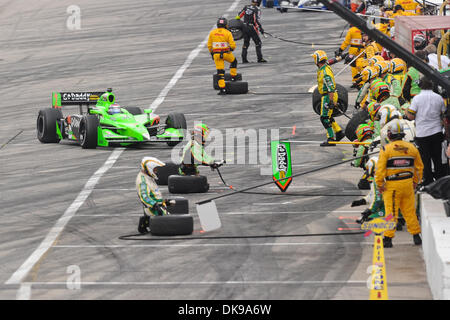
[(236, 87), (164, 172), (188, 184), (181, 206), (342, 101), (358, 118), (227, 78), (235, 26), (171, 225)]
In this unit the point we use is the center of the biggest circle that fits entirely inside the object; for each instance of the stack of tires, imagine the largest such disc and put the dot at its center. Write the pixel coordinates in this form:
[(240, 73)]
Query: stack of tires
[(178, 223)]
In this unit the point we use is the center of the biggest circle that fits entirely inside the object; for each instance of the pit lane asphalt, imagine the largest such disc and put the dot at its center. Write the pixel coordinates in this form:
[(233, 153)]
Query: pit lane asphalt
[(136, 48)]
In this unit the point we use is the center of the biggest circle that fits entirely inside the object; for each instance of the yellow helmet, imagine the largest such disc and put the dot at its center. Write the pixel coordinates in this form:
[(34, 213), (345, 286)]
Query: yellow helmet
[(372, 61), (383, 67), (398, 65), (319, 56), (369, 73)]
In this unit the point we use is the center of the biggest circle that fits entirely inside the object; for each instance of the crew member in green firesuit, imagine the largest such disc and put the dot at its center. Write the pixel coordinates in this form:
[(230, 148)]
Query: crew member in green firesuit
[(194, 153), (149, 193)]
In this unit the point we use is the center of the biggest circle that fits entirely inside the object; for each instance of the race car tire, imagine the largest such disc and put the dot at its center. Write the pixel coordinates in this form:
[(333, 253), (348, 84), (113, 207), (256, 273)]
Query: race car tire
[(236, 87), (88, 131), (227, 78), (235, 26), (342, 101), (188, 184), (171, 225), (46, 125), (178, 121), (134, 110), (181, 206), (164, 172), (358, 118)]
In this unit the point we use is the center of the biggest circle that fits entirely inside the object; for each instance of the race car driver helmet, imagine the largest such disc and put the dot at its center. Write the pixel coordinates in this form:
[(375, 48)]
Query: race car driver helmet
[(222, 22), (395, 130), (149, 166), (201, 132), (372, 109), (114, 108), (319, 56), (364, 132), (420, 42)]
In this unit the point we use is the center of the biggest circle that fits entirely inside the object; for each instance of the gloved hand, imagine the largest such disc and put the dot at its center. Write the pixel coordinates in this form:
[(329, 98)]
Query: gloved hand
[(338, 52), (359, 202), (212, 55), (348, 59), (169, 202), (261, 30), (357, 106), (218, 164), (364, 216), (374, 144)]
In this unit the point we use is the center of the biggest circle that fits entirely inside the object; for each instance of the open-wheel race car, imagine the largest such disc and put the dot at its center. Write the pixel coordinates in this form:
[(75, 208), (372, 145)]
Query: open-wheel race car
[(102, 122)]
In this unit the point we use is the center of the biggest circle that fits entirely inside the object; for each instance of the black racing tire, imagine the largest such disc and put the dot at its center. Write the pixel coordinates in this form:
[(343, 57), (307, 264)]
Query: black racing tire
[(235, 26), (134, 110), (188, 184), (358, 118), (181, 206), (178, 121), (46, 125), (164, 172), (227, 78), (236, 87), (171, 225), (88, 131), (269, 3), (342, 101)]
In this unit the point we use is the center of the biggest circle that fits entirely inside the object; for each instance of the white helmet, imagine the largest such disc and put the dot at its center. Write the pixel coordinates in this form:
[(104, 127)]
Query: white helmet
[(371, 165), (148, 165), (395, 130)]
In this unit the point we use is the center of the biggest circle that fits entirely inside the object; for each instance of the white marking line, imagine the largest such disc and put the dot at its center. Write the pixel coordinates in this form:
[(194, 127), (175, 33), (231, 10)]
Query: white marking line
[(54, 233), (208, 283), (169, 245)]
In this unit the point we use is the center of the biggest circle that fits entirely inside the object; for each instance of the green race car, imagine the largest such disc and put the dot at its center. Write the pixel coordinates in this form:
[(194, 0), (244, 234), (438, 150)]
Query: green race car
[(105, 123)]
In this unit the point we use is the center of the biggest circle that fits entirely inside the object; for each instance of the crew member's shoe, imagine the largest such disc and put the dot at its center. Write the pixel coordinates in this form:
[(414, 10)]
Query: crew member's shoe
[(144, 224), (339, 135), (417, 239), (222, 91), (245, 61), (387, 242), (262, 60), (327, 144)]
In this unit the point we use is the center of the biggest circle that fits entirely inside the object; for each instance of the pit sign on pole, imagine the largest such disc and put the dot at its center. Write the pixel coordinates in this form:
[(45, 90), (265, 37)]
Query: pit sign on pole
[(281, 163)]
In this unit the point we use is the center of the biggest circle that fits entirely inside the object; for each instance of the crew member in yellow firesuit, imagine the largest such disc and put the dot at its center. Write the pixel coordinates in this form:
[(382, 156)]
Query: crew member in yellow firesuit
[(353, 40), (220, 45), (399, 170), (327, 88)]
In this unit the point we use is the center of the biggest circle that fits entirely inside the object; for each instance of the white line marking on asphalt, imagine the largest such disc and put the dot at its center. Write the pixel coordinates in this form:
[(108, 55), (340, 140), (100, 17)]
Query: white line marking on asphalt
[(54, 233), (190, 283), (184, 245)]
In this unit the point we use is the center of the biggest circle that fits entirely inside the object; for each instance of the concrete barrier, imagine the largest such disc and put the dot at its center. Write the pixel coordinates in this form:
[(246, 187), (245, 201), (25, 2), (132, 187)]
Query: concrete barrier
[(436, 245)]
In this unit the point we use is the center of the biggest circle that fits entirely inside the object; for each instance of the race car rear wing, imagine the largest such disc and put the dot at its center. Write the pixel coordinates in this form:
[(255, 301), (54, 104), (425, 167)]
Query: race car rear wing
[(60, 99)]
